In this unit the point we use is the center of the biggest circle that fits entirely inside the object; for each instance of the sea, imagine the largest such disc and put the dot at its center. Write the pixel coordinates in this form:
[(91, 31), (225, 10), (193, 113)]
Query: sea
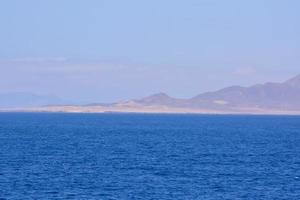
[(114, 156)]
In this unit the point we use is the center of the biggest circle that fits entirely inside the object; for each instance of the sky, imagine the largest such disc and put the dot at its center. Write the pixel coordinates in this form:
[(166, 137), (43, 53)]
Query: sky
[(112, 50)]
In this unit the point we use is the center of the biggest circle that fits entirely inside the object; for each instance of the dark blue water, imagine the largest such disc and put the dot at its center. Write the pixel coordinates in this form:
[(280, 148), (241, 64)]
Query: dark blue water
[(126, 156)]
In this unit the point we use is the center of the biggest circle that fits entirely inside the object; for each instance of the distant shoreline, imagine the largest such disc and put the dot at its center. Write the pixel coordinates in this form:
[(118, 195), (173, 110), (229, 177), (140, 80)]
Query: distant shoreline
[(269, 113)]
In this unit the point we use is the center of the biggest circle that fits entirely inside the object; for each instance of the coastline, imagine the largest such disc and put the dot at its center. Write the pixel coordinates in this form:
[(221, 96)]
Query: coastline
[(147, 110)]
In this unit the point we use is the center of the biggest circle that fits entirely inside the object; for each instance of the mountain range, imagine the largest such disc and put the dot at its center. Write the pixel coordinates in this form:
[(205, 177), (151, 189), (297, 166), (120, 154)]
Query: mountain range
[(268, 98), (26, 100)]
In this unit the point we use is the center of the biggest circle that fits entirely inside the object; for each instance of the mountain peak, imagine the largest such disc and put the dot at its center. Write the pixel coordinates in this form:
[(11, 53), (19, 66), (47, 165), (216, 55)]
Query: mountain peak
[(294, 82), (160, 95), (157, 99)]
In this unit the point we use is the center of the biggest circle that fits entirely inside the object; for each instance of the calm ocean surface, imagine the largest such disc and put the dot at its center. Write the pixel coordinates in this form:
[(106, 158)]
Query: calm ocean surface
[(136, 156)]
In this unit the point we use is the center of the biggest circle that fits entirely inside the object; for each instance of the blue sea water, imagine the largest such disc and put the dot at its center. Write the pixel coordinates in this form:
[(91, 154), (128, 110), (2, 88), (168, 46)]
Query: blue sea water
[(140, 156)]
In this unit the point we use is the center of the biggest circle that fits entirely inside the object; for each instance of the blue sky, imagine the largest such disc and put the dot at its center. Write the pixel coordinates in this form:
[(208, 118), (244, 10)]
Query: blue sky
[(96, 50)]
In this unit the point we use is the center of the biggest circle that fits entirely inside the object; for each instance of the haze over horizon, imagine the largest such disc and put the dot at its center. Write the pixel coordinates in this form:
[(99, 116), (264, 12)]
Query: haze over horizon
[(117, 50)]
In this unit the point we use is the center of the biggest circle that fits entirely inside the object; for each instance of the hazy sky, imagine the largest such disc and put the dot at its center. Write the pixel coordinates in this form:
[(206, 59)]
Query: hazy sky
[(108, 50)]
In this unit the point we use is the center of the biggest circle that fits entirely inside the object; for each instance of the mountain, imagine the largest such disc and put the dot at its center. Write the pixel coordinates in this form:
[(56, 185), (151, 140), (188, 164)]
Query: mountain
[(294, 82), (268, 98), (26, 100), (160, 99), (280, 96)]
